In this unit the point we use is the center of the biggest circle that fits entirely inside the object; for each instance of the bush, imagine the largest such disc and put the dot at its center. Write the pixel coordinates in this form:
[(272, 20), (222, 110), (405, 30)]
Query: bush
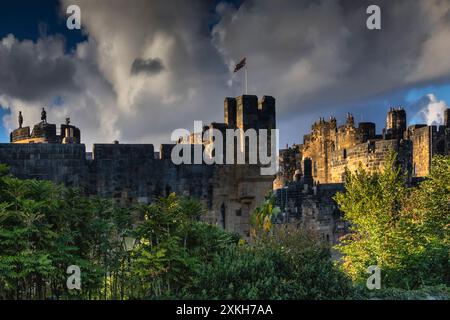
[(405, 232), (288, 265), (441, 292)]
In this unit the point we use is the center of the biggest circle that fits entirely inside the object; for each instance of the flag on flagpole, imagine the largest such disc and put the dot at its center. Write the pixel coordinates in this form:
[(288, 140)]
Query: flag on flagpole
[(240, 65)]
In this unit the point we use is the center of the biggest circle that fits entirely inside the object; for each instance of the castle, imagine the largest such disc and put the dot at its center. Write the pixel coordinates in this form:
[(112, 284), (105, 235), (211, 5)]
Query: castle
[(135, 173), (311, 173)]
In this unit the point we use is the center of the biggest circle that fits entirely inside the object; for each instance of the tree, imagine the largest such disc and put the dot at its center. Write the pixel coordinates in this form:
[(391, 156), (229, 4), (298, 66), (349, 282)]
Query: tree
[(403, 231), (263, 216), (44, 228), (172, 243)]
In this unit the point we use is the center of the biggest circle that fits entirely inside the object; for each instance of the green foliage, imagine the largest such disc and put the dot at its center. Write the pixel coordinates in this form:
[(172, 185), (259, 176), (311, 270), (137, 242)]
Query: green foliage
[(172, 245), (288, 265), (403, 231), (44, 228), (263, 216), (440, 292)]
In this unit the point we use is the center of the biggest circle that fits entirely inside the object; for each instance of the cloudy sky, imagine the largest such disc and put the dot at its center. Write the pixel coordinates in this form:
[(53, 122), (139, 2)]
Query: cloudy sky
[(139, 69)]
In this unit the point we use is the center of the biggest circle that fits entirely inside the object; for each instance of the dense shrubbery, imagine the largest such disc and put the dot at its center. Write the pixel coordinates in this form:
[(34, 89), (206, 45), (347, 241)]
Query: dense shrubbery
[(287, 265), (438, 292), (44, 228)]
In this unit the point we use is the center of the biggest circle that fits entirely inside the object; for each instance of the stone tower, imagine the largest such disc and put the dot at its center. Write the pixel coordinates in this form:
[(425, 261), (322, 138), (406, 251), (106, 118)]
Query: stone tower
[(246, 112), (395, 123)]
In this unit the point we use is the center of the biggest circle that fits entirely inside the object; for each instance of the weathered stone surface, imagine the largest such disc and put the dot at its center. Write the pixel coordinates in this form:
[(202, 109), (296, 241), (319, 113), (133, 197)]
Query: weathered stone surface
[(332, 149), (131, 173), (311, 173)]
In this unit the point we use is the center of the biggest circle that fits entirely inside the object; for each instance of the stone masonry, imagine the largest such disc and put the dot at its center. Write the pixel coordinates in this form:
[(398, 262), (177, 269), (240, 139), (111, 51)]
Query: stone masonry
[(317, 167), (131, 173)]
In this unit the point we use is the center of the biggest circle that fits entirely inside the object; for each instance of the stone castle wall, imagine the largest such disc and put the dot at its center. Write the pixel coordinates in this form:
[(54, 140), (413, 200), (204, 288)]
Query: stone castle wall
[(371, 156), (130, 173), (61, 163), (311, 173), (426, 142), (331, 149)]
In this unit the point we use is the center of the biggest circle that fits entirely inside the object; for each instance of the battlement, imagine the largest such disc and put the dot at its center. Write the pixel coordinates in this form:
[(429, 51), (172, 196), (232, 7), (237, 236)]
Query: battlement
[(331, 149), (44, 132), (323, 126), (247, 112)]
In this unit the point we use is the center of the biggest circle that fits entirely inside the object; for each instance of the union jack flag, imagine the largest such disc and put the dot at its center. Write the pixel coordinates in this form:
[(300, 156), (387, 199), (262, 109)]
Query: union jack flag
[(240, 65)]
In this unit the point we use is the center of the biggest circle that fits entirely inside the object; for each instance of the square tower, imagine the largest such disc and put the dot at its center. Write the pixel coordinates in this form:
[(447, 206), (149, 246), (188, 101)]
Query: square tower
[(395, 123)]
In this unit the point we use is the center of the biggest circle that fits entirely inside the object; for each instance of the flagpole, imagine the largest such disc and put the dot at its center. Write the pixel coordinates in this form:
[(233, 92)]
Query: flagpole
[(246, 82)]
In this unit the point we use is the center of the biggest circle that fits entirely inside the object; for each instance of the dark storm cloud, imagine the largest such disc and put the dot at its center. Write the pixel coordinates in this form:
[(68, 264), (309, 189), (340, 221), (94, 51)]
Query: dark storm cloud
[(315, 57), (320, 53), (32, 70), (148, 66)]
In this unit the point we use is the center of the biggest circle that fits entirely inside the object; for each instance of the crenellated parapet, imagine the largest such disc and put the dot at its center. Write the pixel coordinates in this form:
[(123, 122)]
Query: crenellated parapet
[(44, 132), (331, 148), (247, 112)]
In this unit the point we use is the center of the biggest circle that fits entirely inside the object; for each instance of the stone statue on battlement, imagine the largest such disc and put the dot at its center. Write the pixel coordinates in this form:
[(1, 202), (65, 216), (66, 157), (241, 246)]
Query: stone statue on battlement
[(20, 120), (44, 116)]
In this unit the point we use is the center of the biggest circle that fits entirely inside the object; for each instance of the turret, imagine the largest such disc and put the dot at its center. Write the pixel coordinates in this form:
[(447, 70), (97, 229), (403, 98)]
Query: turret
[(45, 132), (395, 123)]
